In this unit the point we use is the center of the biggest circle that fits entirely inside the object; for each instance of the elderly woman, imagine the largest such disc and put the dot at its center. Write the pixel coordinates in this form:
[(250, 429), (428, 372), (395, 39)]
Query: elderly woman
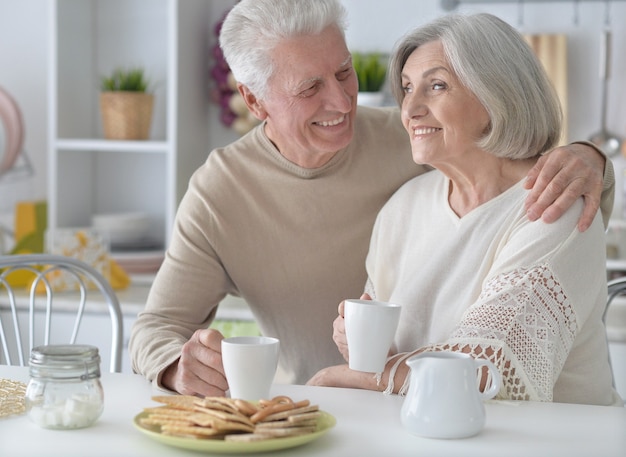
[(455, 248)]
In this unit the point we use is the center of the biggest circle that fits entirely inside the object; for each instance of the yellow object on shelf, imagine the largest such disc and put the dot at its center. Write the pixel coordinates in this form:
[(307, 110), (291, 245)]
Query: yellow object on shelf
[(30, 217), (31, 221), (119, 279), (82, 244), (91, 247), (59, 281)]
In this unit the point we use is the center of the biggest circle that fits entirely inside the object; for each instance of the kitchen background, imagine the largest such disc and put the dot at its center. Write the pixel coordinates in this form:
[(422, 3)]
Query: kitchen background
[(26, 55), (374, 26)]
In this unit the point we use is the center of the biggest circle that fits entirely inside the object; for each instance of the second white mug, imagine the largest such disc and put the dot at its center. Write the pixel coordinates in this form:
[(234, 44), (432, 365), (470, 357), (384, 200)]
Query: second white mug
[(370, 329)]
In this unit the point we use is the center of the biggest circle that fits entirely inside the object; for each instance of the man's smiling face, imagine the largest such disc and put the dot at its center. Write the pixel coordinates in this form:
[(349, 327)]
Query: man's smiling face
[(311, 102)]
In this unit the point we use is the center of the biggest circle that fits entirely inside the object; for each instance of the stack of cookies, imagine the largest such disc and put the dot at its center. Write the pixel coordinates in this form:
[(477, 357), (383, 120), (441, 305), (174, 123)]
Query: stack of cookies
[(231, 419)]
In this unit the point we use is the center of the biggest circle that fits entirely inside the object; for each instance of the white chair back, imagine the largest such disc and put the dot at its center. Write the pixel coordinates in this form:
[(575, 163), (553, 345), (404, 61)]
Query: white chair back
[(26, 313)]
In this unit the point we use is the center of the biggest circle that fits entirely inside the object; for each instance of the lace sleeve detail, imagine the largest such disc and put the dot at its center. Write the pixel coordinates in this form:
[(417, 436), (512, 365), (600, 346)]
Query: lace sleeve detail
[(524, 323)]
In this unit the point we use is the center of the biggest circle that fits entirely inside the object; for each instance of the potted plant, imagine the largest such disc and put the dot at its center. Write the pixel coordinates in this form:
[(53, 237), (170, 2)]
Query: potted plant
[(371, 70), (126, 105)]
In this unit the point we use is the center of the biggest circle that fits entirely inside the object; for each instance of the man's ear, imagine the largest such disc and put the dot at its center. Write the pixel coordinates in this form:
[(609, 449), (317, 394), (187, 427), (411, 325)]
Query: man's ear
[(253, 104)]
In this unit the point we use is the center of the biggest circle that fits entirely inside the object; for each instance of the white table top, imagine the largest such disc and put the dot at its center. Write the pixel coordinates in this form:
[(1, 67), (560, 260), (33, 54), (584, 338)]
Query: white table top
[(368, 424)]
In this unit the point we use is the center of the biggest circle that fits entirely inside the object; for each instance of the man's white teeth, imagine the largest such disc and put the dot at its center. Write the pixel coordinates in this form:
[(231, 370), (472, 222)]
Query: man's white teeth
[(331, 123), (424, 131)]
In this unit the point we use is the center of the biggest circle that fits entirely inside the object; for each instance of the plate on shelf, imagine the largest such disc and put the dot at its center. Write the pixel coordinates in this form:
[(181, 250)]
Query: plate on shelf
[(139, 261), (324, 424), (135, 245)]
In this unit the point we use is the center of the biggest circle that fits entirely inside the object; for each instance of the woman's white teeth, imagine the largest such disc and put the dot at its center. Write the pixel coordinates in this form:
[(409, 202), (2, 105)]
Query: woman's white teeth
[(424, 131), (331, 123)]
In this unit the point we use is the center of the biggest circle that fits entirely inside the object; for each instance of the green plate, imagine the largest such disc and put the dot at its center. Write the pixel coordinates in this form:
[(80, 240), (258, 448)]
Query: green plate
[(324, 423)]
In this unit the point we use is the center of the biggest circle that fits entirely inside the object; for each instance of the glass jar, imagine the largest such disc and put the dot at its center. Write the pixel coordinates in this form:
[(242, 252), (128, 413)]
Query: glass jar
[(64, 391)]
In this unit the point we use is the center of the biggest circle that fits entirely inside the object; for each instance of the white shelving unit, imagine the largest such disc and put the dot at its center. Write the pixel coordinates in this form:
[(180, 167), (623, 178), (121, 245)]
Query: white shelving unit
[(90, 175)]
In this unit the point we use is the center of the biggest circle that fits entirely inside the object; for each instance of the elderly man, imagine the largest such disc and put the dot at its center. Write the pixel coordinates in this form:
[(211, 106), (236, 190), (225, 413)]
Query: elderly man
[(283, 216)]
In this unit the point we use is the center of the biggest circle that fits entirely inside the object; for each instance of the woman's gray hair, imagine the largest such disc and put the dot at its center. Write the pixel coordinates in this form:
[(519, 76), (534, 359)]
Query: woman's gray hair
[(496, 64), (253, 28)]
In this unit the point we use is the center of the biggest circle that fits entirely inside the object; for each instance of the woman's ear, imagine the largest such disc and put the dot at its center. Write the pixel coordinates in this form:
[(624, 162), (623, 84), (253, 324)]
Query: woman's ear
[(253, 104)]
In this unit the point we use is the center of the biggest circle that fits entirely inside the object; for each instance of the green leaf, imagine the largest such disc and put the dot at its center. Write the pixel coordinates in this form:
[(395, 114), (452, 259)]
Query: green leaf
[(371, 70), (131, 80)]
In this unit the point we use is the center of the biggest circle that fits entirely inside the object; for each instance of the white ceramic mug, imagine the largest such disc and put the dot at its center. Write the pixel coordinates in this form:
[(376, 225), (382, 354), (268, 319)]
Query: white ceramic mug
[(444, 400), (250, 364), (370, 328)]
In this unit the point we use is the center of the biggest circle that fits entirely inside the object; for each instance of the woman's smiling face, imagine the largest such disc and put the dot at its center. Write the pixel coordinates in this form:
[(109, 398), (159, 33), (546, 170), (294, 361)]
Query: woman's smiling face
[(443, 118)]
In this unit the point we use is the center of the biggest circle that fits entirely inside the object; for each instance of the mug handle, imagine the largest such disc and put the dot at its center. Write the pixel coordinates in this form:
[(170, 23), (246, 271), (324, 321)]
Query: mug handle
[(496, 378)]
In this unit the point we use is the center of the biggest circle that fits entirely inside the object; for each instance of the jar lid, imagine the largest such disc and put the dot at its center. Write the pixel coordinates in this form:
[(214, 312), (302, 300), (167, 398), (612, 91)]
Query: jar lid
[(65, 361)]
